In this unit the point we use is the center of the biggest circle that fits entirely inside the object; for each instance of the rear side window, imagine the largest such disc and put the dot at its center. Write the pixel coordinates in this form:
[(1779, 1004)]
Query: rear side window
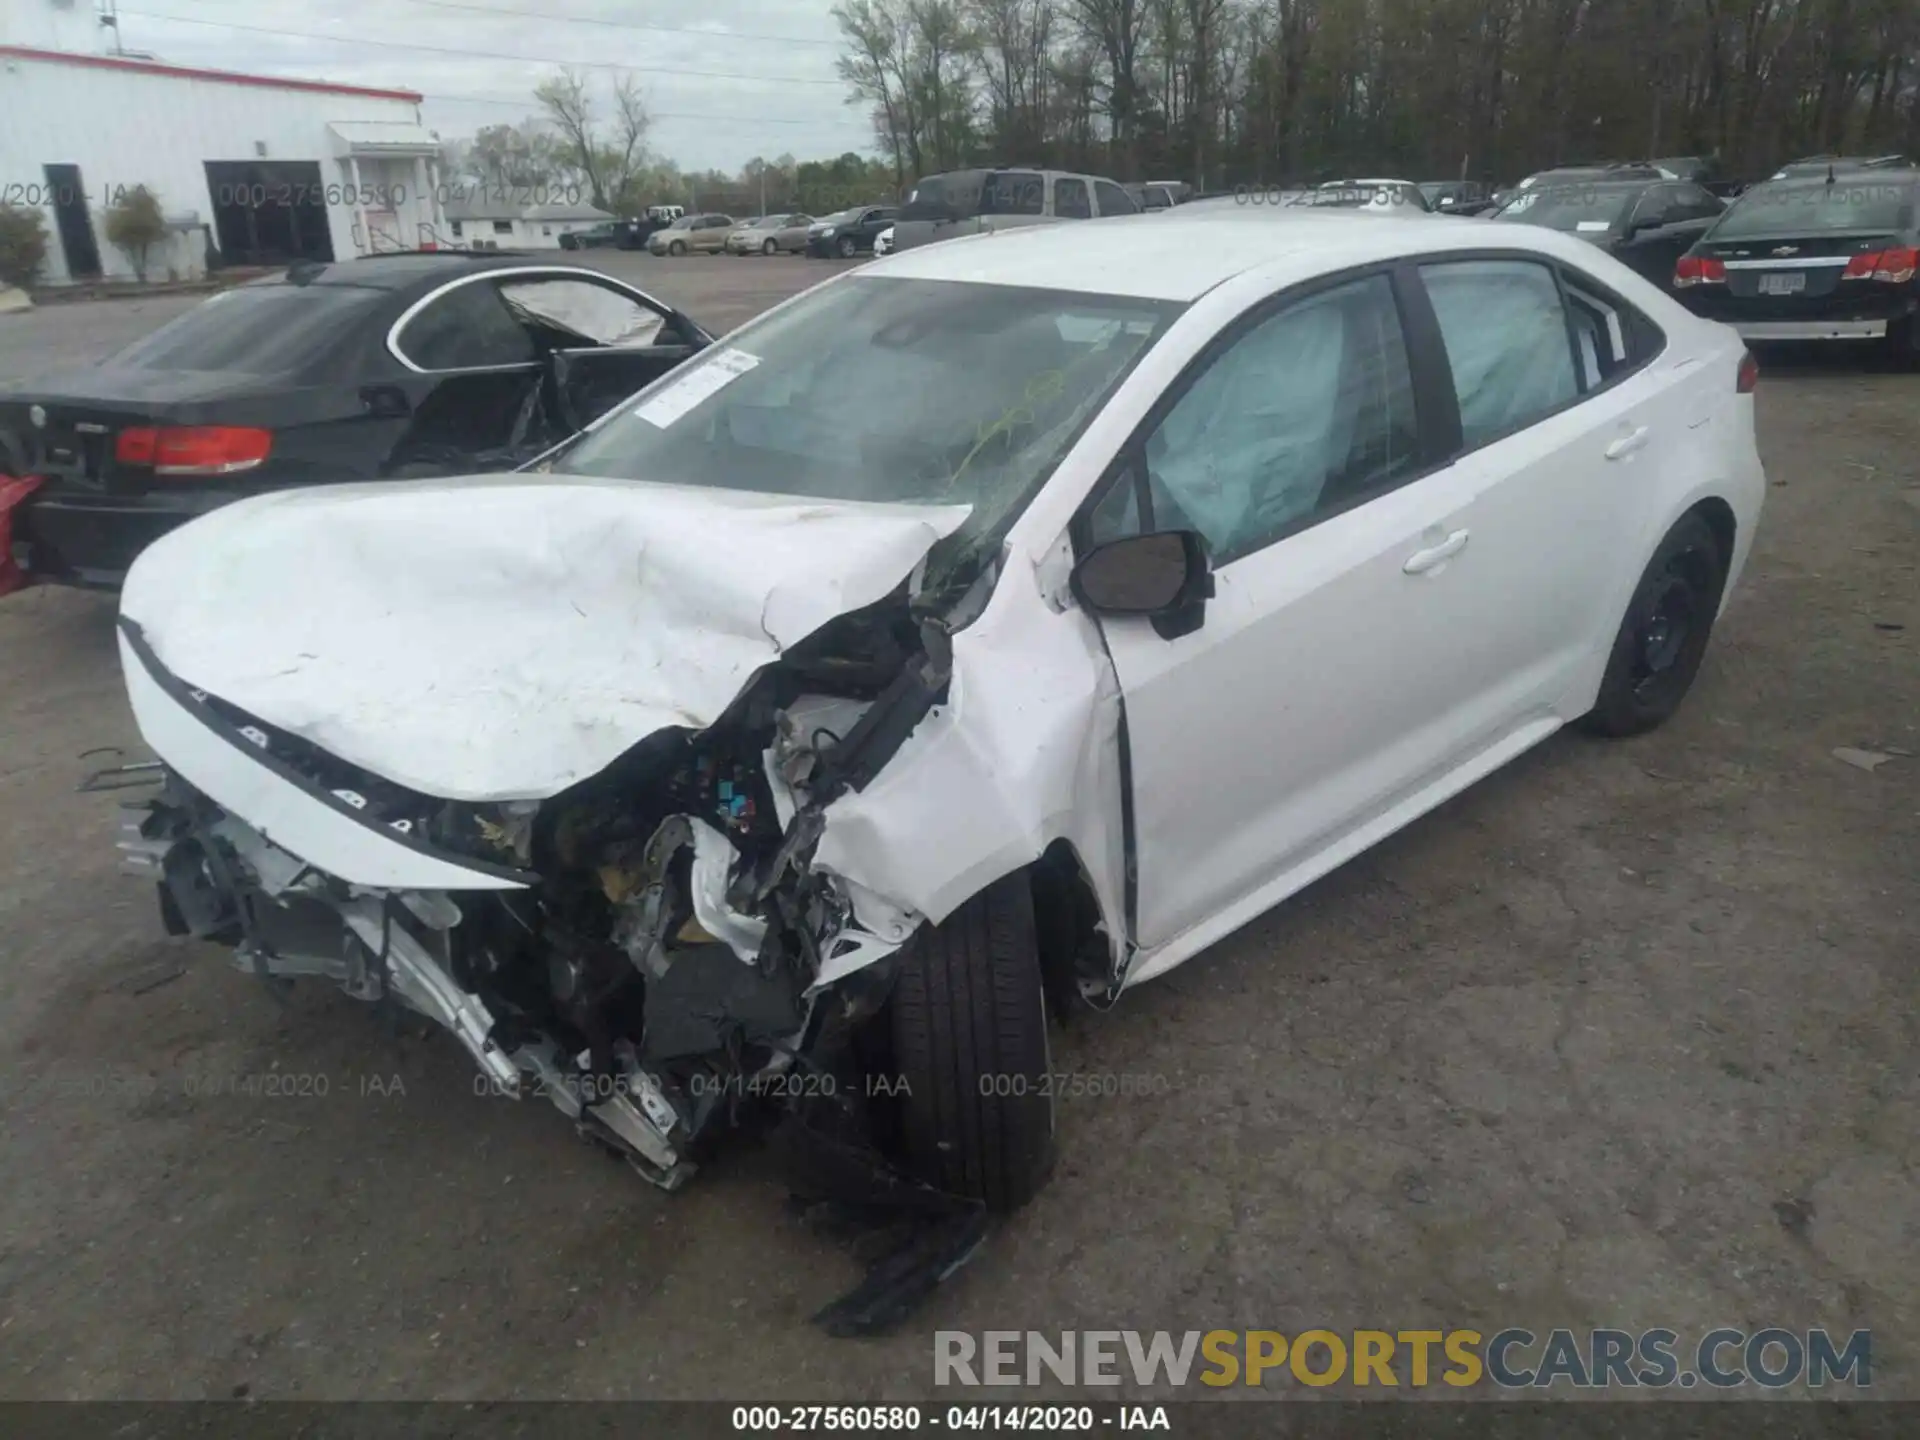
[(257, 330), (1014, 192), (1071, 201), (464, 328), (1506, 335), (1611, 339), (1693, 203), (1113, 200)]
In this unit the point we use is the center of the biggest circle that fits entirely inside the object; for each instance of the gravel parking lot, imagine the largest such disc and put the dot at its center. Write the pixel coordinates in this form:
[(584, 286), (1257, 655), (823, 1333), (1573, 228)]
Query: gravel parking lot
[(1624, 1036)]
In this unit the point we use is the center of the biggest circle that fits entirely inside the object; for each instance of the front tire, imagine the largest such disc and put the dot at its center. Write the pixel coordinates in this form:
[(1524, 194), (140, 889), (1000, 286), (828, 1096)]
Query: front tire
[(678, 247), (969, 1032), (848, 247), (769, 248), (1663, 637)]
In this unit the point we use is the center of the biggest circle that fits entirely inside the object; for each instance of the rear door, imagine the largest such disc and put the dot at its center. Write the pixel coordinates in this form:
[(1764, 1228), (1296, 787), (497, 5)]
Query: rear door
[(1566, 420), (1664, 223)]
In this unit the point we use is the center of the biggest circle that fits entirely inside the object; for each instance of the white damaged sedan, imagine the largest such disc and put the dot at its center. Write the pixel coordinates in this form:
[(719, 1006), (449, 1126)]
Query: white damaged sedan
[(981, 632)]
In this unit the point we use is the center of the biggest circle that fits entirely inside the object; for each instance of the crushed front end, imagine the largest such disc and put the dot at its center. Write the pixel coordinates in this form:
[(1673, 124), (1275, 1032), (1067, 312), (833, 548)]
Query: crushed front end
[(651, 948)]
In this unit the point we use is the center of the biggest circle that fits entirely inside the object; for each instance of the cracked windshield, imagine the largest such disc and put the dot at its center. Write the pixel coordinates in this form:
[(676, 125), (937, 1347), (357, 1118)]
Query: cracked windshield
[(922, 391)]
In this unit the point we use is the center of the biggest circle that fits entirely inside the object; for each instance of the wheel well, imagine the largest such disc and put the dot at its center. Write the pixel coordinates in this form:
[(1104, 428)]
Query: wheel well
[(1719, 517), (1067, 926)]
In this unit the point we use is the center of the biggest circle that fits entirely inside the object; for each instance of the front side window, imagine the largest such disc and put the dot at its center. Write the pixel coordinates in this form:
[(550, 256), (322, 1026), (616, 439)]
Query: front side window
[(887, 390), (1305, 415), (1115, 201), (1071, 201), (579, 312), (1507, 342)]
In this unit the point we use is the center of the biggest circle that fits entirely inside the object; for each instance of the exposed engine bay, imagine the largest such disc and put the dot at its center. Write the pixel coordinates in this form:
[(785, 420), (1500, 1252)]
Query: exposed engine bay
[(667, 963)]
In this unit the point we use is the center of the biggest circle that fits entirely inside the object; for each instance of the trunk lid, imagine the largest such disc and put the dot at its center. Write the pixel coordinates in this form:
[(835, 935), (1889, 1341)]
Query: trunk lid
[(64, 427), (1807, 266)]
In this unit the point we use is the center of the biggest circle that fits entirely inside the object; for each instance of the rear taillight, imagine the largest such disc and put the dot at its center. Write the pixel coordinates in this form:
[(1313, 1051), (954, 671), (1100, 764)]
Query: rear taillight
[(1892, 267), (193, 449), (1699, 270), (1749, 374)]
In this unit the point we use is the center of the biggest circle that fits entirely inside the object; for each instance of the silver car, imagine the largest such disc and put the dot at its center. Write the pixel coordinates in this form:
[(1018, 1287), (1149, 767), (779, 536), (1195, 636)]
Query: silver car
[(972, 202), (770, 235)]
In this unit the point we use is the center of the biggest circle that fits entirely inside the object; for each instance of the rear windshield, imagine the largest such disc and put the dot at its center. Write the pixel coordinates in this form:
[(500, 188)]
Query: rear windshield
[(1800, 208), (955, 196), (1579, 208), (273, 329)]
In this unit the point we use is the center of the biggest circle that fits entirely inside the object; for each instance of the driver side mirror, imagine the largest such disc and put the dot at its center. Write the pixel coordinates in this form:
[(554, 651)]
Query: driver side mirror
[(1165, 576)]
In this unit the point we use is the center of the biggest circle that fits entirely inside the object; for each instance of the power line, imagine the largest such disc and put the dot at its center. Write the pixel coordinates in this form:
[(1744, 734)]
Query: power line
[(484, 54), (530, 106), (622, 24)]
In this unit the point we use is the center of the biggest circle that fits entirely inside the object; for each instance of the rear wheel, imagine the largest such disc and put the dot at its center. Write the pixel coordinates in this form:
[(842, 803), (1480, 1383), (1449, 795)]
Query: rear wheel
[(969, 1033), (1663, 638)]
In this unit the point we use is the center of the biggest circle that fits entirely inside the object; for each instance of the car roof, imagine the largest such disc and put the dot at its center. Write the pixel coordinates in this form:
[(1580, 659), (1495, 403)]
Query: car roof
[(397, 272), (1183, 253)]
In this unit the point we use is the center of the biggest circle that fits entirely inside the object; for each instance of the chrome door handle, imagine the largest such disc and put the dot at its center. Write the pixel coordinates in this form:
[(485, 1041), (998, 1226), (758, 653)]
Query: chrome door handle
[(1422, 561), (1627, 444)]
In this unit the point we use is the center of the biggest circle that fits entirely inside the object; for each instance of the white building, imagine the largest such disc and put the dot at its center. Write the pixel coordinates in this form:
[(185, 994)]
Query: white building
[(482, 218), (269, 169)]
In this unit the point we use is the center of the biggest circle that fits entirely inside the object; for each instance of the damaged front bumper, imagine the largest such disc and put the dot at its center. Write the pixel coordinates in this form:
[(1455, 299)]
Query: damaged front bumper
[(652, 951)]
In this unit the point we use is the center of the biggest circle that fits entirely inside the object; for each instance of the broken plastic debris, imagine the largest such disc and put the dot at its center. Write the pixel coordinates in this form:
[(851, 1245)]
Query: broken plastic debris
[(1868, 760)]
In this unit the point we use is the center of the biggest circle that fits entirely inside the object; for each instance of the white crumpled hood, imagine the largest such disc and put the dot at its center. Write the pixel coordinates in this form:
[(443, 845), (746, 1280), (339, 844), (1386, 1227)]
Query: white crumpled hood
[(502, 637)]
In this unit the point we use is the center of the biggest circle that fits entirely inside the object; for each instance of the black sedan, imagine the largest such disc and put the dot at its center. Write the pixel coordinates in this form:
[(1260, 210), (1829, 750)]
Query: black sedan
[(608, 234), (384, 367), (1645, 224), (1814, 258), (851, 232)]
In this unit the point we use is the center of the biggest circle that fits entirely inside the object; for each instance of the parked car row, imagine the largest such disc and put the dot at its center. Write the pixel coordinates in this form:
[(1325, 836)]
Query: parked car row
[(1825, 250)]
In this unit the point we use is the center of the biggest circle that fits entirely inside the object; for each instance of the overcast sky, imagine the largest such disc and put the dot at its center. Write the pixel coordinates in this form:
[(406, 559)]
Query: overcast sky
[(765, 83)]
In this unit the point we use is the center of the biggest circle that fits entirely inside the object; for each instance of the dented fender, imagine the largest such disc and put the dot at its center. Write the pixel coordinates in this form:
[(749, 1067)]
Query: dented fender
[(1024, 752)]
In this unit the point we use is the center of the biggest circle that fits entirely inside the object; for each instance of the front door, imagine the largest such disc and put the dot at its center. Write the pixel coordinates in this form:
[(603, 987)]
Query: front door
[(1318, 686), (72, 222)]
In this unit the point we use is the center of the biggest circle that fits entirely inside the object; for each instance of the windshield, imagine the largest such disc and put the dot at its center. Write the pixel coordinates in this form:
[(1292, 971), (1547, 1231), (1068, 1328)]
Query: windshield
[(840, 217), (272, 329), (886, 390), (1799, 208), (1582, 209), (685, 222), (767, 222)]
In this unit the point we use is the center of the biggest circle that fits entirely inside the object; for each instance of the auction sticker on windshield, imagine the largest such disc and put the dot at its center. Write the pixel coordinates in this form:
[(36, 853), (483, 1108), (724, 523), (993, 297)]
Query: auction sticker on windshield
[(680, 395), (1590, 226)]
